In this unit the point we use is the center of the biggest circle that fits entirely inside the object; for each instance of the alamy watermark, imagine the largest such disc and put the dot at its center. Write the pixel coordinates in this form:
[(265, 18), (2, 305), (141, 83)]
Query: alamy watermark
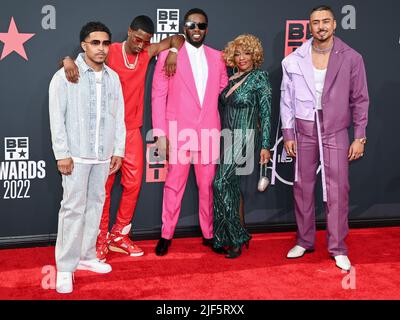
[(238, 146), (349, 281)]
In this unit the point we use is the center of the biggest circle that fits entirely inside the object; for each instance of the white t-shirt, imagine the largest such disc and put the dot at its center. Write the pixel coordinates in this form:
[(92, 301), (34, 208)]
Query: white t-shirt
[(198, 62), (98, 76), (319, 79)]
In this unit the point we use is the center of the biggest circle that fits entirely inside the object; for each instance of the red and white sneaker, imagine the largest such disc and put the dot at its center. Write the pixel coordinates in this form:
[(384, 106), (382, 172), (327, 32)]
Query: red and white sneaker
[(103, 241), (120, 242)]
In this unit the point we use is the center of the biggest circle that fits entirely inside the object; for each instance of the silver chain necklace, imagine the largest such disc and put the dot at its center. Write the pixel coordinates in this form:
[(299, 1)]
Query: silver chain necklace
[(318, 50)]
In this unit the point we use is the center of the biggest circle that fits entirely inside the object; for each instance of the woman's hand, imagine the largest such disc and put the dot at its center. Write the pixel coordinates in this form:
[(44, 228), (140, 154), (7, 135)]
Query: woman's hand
[(265, 156)]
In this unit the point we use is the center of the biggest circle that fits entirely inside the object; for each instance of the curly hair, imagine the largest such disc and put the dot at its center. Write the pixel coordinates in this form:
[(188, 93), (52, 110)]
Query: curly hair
[(248, 43), (93, 26)]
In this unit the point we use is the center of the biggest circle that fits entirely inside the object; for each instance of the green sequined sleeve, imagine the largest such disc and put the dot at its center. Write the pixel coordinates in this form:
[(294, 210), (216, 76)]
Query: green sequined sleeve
[(264, 100)]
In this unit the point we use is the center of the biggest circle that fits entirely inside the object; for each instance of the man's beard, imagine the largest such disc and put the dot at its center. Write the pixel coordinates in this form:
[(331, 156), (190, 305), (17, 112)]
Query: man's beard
[(195, 44), (324, 37)]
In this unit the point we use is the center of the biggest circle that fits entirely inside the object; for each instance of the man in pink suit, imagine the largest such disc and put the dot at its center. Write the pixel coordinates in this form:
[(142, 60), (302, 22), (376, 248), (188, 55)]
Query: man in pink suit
[(187, 124), (324, 91)]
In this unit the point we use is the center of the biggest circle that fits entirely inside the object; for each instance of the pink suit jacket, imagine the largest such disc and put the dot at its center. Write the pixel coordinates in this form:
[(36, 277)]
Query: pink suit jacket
[(176, 105)]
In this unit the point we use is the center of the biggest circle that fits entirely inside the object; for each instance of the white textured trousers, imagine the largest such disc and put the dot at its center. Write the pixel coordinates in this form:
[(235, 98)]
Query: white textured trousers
[(80, 214)]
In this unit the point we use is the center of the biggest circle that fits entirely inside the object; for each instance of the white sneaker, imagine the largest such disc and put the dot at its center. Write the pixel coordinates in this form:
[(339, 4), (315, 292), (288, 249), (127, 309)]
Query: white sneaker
[(296, 252), (94, 265), (343, 262), (64, 282)]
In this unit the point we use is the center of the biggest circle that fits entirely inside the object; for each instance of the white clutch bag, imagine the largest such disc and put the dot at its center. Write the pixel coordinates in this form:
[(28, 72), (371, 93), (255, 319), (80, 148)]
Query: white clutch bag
[(263, 181)]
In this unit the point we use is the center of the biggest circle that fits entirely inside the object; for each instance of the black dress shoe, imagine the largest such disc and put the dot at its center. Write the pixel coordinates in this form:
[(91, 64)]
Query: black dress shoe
[(210, 243), (162, 247)]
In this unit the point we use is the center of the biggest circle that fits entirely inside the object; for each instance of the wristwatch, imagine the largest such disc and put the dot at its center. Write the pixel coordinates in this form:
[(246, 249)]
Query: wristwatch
[(362, 140), (174, 50)]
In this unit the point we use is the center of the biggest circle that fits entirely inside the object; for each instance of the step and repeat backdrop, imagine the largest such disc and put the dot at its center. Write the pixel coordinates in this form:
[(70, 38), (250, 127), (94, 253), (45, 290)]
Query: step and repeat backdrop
[(35, 35)]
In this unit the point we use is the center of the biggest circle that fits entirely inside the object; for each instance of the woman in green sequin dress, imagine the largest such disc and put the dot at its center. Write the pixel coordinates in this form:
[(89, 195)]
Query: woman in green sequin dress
[(245, 109)]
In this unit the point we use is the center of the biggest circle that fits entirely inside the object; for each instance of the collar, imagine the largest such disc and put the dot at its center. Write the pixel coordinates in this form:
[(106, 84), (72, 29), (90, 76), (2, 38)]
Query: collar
[(192, 49), (80, 61)]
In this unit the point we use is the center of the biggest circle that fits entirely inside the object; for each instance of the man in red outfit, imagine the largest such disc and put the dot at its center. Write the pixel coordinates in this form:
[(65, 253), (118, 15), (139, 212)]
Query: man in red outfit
[(129, 60)]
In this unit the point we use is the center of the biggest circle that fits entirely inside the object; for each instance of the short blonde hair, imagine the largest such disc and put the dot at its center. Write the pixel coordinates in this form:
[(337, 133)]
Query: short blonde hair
[(248, 43)]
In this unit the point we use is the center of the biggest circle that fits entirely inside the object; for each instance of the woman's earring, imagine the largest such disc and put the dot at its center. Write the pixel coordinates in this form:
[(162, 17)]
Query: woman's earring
[(235, 69)]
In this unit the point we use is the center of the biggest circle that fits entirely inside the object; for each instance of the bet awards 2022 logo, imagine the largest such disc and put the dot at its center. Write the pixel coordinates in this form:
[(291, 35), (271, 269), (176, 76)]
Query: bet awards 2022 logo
[(17, 171), (167, 24)]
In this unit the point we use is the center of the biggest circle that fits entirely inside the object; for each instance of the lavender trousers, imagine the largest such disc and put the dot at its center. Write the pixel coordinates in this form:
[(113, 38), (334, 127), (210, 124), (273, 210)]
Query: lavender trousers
[(335, 148)]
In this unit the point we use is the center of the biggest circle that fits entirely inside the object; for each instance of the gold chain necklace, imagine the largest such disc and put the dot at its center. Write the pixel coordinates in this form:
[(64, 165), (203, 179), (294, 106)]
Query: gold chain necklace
[(131, 66)]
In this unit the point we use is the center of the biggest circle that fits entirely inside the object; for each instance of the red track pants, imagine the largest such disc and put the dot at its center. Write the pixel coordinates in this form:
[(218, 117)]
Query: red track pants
[(131, 179)]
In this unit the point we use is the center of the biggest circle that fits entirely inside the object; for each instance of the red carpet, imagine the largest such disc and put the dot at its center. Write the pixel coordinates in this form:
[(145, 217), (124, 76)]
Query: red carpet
[(192, 271)]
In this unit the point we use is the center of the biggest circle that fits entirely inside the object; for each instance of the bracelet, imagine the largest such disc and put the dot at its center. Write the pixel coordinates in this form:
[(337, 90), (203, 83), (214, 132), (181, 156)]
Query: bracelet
[(362, 140)]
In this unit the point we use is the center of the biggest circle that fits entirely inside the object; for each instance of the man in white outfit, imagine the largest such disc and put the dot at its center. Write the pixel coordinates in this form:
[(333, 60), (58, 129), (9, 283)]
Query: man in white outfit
[(88, 137)]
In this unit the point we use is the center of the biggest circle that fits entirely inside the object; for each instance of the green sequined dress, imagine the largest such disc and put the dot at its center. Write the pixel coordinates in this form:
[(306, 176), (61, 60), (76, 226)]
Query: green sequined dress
[(248, 107)]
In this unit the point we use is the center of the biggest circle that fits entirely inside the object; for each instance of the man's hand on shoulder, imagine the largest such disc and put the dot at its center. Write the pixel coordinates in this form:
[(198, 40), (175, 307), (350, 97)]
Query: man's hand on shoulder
[(171, 62), (71, 70)]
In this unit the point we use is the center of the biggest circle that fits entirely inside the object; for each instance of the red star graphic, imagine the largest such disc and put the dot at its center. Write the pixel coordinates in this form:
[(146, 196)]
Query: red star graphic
[(14, 41)]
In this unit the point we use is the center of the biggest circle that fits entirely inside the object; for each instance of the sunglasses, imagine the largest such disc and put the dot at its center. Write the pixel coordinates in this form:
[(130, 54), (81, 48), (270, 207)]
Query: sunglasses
[(192, 25), (96, 43), (139, 40)]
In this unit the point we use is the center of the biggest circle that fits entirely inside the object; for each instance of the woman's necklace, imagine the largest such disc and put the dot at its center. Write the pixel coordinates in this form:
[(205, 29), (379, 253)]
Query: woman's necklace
[(131, 66), (239, 74)]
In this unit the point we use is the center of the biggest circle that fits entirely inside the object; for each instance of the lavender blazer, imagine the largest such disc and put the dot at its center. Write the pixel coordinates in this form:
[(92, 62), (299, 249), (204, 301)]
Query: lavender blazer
[(344, 99)]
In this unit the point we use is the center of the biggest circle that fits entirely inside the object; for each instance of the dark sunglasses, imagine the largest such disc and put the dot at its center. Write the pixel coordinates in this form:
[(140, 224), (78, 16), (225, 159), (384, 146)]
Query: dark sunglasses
[(192, 25), (96, 43)]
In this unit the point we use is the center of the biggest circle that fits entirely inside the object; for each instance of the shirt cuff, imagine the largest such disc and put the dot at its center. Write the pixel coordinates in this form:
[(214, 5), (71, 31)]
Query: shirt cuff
[(119, 153), (288, 134), (359, 133), (62, 155)]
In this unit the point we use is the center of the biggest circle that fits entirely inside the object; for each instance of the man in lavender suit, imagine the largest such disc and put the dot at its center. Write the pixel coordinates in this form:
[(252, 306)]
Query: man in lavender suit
[(324, 91)]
